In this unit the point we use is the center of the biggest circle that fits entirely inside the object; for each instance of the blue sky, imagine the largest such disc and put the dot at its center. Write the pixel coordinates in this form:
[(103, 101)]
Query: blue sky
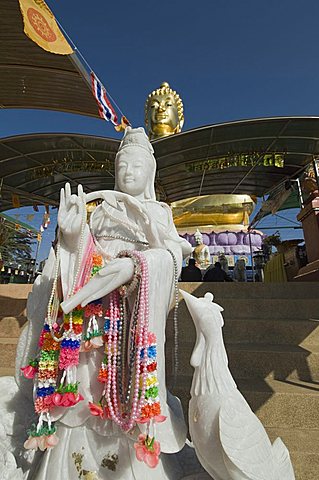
[(228, 60)]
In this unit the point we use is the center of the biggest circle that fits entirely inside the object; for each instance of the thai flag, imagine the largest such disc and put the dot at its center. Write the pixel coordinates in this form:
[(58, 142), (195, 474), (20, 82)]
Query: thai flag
[(106, 110)]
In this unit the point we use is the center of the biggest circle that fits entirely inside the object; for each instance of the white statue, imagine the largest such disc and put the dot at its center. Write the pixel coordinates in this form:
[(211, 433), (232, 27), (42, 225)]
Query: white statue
[(96, 437), (201, 251), (230, 441)]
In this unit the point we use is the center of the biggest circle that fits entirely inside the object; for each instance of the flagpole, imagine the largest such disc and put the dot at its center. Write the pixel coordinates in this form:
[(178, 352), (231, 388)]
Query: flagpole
[(75, 60)]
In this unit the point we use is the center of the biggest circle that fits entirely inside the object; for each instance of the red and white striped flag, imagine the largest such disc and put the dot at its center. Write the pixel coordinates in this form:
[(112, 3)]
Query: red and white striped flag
[(106, 110)]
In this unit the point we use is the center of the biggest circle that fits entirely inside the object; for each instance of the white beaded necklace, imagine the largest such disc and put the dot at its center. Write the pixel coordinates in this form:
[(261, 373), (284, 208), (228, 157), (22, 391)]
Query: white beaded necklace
[(50, 320)]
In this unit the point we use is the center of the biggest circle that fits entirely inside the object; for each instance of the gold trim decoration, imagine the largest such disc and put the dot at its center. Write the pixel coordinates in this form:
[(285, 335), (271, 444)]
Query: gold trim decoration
[(66, 166), (41, 27), (237, 160)]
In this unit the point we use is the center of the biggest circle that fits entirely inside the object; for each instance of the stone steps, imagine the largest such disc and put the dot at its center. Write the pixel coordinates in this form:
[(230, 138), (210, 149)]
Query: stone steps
[(270, 308), (8, 349), (303, 448), (261, 361), (10, 330), (277, 403), (287, 410), (11, 326), (291, 290), (13, 301), (280, 362), (265, 308), (279, 331), (273, 350)]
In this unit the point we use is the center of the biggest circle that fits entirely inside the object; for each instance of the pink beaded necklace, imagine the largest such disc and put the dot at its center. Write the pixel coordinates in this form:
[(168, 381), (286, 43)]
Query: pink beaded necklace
[(125, 416)]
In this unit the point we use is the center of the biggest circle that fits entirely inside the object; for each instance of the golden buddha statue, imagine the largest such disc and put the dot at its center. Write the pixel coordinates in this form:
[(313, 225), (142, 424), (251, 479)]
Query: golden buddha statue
[(163, 112)]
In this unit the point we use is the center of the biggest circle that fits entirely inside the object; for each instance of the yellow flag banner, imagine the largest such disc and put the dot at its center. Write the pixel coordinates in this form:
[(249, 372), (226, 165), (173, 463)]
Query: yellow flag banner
[(15, 200), (41, 26)]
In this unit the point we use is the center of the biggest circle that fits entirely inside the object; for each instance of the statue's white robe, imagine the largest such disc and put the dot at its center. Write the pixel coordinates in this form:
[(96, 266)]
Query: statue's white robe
[(79, 432)]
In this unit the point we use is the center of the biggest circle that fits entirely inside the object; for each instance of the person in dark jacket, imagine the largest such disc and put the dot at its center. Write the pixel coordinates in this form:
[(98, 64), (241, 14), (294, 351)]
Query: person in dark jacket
[(191, 273), (216, 274)]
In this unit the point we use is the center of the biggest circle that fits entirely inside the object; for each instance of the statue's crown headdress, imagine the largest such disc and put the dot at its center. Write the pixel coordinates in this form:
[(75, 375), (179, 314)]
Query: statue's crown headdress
[(165, 89), (198, 234), (136, 137)]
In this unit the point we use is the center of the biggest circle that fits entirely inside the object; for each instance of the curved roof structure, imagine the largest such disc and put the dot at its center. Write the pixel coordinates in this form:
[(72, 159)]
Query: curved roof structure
[(211, 160), (244, 157), (33, 78), (36, 166)]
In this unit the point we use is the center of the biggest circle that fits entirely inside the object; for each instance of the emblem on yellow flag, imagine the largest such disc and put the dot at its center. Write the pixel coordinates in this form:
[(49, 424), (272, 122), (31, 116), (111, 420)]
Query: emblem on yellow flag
[(15, 201), (41, 26)]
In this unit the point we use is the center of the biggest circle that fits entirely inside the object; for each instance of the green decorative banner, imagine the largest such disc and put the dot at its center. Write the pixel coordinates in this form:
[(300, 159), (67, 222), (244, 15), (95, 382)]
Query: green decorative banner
[(237, 160)]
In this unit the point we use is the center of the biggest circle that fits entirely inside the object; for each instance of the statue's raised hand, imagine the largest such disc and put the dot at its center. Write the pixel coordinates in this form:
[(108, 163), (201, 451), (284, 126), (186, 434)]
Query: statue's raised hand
[(72, 214), (116, 273)]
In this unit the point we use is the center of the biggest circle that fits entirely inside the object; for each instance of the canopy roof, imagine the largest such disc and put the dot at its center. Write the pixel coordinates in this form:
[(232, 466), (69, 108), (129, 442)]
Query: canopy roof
[(182, 158), (30, 77), (196, 162)]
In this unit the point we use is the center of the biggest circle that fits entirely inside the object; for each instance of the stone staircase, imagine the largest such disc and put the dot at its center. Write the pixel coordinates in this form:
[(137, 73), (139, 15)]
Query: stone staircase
[(272, 341), (13, 300), (273, 349)]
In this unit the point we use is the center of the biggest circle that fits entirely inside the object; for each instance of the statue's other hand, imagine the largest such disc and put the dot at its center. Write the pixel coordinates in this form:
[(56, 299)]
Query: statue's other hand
[(71, 215), (116, 273)]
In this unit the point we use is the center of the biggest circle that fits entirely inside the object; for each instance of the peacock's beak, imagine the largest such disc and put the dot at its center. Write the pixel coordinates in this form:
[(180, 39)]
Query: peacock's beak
[(191, 302)]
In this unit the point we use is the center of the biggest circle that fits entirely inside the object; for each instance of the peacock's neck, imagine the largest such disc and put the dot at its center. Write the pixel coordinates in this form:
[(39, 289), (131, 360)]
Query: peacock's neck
[(213, 375)]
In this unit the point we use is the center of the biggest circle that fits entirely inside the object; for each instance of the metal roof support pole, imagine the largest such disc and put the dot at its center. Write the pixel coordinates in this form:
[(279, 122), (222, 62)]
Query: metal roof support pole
[(300, 193)]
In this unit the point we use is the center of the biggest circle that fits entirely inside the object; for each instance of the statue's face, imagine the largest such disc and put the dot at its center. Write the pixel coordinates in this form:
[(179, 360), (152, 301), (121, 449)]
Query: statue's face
[(163, 115), (198, 240), (132, 171)]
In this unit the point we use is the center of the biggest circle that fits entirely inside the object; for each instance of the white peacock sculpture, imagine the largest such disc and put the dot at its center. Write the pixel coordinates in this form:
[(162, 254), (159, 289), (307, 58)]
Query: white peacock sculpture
[(230, 441)]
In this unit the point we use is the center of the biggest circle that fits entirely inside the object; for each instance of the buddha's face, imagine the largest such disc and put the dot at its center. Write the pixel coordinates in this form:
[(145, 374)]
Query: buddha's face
[(162, 116), (198, 240), (133, 172)]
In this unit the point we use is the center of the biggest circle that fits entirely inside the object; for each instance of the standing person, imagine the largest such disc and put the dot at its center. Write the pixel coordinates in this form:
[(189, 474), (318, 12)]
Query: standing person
[(216, 274), (240, 274), (191, 273)]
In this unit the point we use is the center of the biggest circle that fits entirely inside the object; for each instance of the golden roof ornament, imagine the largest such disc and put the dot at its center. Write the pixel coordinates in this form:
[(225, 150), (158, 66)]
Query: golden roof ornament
[(164, 112)]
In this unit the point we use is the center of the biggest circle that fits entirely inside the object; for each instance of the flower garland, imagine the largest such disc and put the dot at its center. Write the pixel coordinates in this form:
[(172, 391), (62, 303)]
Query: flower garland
[(152, 407), (130, 394), (60, 346), (46, 371)]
